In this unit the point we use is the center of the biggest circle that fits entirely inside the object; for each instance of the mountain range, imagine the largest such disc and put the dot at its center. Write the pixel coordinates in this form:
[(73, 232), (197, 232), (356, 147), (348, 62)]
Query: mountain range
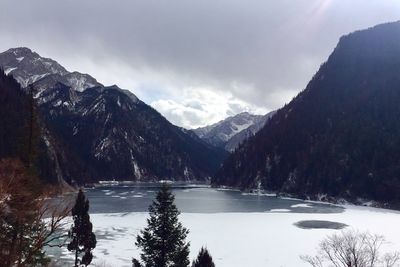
[(104, 132), (340, 136)]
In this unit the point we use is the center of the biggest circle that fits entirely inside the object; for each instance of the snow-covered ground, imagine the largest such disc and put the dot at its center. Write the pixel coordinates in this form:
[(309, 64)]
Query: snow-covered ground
[(242, 239)]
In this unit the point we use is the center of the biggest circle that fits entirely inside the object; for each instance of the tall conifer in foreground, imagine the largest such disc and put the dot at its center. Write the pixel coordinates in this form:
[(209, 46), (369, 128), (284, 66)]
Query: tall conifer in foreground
[(83, 238), (163, 240), (204, 259)]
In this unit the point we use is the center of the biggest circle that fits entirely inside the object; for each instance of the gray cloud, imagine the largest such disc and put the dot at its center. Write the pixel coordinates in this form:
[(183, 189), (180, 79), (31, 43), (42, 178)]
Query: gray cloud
[(259, 52)]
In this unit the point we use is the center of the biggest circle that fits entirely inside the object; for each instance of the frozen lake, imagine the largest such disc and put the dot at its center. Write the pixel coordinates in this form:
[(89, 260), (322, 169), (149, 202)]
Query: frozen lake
[(195, 199), (238, 229)]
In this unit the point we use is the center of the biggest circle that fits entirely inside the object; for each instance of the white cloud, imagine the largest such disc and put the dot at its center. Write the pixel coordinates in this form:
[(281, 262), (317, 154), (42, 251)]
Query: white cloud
[(225, 56), (200, 106)]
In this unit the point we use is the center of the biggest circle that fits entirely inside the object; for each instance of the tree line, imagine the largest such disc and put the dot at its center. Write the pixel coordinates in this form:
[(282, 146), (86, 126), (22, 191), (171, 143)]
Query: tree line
[(29, 223)]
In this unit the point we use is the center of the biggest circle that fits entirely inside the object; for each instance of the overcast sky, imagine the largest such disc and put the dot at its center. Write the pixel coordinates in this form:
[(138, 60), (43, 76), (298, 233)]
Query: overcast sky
[(196, 61)]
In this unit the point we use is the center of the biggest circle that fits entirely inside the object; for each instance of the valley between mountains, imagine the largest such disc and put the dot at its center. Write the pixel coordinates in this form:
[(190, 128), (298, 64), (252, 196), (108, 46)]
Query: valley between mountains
[(338, 139)]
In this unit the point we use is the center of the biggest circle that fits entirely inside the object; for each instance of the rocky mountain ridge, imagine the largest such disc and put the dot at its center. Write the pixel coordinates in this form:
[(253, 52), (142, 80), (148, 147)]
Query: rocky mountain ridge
[(108, 130)]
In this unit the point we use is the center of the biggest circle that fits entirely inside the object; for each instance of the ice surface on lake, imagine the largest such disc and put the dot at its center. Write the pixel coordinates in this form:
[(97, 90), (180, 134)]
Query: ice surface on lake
[(242, 239), (318, 224), (302, 205), (280, 210)]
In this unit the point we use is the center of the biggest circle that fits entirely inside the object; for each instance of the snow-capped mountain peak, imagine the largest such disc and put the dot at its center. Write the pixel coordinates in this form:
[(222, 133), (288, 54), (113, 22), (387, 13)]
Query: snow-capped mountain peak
[(230, 132), (28, 67)]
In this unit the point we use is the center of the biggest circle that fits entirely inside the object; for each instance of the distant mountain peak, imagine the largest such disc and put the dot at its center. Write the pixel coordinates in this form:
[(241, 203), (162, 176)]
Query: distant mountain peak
[(230, 132), (27, 67), (18, 51), (131, 95)]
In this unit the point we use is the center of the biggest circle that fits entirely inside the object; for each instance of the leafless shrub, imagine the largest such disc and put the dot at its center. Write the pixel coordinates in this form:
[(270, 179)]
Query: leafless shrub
[(352, 249), (28, 221)]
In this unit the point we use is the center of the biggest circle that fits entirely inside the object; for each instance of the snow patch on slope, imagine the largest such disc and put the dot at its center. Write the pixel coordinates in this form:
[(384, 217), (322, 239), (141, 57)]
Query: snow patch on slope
[(236, 128), (8, 70)]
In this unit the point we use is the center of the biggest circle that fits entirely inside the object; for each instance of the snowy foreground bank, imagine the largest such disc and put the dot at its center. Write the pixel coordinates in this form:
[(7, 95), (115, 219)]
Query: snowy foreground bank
[(242, 239)]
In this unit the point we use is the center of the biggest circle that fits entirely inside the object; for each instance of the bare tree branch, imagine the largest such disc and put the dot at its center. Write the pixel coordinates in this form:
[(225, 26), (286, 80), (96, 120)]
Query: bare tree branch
[(352, 249)]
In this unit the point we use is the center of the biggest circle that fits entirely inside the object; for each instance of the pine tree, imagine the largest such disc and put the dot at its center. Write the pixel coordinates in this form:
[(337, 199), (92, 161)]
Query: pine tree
[(83, 238), (136, 263), (204, 259), (163, 240)]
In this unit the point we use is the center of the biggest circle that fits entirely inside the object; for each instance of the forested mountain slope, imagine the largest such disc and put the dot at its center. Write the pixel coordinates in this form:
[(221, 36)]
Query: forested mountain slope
[(341, 135)]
